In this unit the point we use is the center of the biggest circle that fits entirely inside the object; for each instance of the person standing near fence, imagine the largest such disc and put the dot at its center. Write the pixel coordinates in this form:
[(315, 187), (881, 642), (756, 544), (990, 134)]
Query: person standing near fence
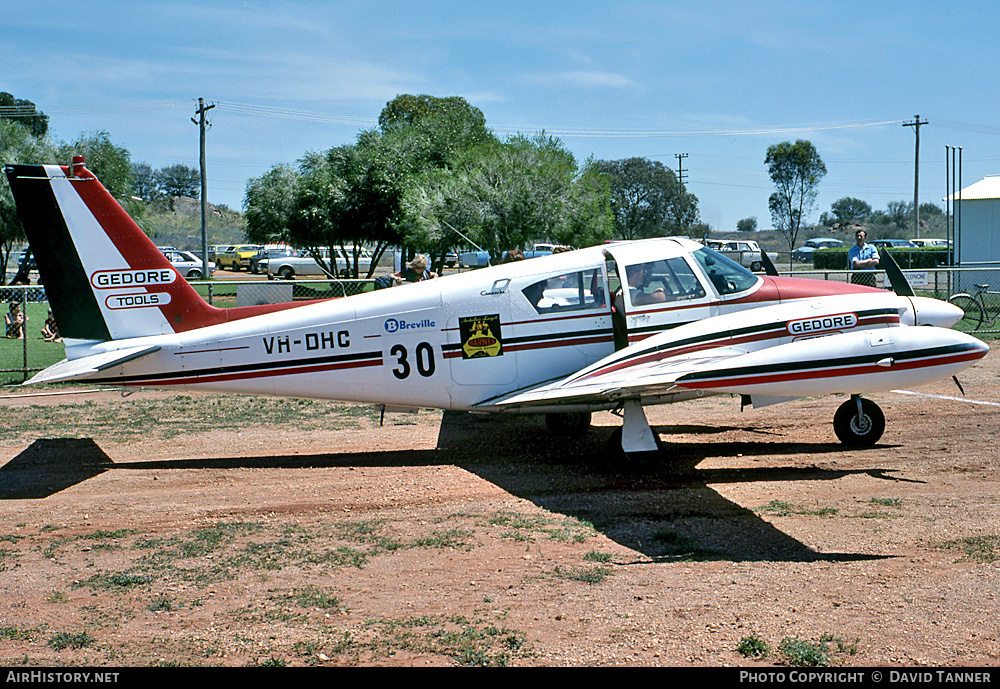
[(14, 320), (862, 257)]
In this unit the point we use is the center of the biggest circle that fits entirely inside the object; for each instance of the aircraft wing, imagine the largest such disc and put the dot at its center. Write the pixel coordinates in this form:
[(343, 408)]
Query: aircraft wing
[(617, 378), (80, 368)]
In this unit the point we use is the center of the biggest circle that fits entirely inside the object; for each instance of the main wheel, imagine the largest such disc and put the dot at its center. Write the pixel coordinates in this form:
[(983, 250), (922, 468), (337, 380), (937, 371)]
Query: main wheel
[(572, 424), (859, 431), (973, 318)]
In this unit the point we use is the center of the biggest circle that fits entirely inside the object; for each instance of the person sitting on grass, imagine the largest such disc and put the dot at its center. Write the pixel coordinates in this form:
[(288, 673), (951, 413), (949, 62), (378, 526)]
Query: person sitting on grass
[(50, 331), (14, 320)]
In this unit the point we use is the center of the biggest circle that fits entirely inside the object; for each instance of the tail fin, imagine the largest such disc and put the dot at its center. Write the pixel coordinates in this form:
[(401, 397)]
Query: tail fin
[(104, 278)]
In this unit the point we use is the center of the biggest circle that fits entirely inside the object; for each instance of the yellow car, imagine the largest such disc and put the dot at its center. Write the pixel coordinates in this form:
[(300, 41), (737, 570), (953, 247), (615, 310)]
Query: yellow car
[(237, 256)]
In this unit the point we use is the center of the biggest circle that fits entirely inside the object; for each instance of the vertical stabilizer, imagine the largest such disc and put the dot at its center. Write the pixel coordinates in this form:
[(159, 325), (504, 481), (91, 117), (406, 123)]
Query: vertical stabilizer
[(103, 277)]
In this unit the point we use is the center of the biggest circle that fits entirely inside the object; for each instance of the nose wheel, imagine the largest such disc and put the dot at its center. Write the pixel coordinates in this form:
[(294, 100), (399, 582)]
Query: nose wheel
[(859, 422)]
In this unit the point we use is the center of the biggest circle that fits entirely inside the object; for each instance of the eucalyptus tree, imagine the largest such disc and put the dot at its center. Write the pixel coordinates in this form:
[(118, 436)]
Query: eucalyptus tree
[(796, 170)]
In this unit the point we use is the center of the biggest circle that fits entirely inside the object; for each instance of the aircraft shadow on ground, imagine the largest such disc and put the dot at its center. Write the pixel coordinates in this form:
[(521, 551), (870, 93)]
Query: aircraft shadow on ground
[(664, 510)]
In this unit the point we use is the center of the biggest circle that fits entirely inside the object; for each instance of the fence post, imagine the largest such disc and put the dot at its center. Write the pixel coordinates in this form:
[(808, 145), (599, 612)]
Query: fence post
[(24, 333)]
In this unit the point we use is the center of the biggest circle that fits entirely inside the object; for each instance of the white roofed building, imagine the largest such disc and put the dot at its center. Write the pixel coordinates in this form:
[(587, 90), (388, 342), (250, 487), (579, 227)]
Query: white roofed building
[(977, 236)]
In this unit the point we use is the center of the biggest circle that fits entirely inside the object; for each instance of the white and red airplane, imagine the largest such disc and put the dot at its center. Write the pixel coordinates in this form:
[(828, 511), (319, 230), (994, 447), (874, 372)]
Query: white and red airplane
[(612, 327)]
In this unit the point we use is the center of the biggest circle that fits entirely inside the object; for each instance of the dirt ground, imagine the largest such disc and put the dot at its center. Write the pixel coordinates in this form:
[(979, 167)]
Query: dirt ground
[(450, 539)]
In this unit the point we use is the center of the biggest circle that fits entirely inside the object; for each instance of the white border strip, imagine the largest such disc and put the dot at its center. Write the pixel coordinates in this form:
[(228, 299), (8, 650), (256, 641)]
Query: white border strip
[(947, 397)]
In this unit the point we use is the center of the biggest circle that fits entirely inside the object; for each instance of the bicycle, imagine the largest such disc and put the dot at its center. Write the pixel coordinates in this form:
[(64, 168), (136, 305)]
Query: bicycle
[(977, 316)]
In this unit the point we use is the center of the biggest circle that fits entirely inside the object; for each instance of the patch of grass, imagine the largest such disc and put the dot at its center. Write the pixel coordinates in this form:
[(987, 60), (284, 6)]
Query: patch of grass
[(753, 647), (451, 538), (804, 653), (66, 640), (887, 502), (114, 580), (163, 419), (597, 556), (779, 508), (588, 575), (975, 548), (314, 597), (469, 643)]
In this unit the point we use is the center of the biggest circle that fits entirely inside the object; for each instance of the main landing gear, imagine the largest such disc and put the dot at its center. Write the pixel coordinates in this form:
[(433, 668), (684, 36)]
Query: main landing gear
[(859, 422)]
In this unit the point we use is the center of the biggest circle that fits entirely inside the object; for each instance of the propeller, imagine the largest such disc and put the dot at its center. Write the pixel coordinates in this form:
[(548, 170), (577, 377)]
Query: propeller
[(900, 285), (769, 268)]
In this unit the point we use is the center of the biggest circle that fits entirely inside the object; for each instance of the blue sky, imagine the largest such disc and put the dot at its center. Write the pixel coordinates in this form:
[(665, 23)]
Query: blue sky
[(718, 81)]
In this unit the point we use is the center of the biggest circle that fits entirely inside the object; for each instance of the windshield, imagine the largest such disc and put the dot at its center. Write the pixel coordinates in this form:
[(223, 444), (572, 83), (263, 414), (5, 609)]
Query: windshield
[(727, 276)]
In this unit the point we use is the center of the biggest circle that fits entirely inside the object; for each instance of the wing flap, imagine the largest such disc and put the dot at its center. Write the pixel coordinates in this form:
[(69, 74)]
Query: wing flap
[(89, 365)]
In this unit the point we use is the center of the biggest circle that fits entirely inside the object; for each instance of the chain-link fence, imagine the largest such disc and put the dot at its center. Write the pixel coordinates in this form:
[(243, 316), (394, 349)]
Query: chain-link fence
[(29, 350)]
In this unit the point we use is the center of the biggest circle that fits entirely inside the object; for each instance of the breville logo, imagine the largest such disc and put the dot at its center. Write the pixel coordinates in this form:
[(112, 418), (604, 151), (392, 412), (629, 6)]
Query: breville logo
[(393, 325)]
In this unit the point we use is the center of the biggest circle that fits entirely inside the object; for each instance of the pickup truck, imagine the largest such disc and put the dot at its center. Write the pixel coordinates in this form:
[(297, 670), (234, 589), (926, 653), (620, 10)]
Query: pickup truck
[(745, 252)]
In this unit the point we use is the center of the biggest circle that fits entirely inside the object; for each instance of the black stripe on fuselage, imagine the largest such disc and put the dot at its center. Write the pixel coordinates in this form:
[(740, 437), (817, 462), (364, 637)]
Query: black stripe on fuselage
[(826, 364), (67, 286), (257, 368)]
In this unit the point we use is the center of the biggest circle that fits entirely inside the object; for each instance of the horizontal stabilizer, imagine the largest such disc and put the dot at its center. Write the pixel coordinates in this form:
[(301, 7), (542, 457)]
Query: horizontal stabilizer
[(89, 365)]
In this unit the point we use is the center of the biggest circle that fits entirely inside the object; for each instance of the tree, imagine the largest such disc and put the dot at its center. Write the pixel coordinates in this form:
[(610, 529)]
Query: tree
[(747, 225), (899, 212), (179, 180), (508, 194), (849, 210), (144, 184), (269, 203), (24, 113), (17, 145), (352, 194), (645, 197), (796, 170), (109, 162)]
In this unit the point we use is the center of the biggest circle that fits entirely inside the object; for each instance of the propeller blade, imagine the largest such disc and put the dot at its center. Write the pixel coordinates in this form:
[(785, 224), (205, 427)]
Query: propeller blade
[(769, 268), (900, 285)]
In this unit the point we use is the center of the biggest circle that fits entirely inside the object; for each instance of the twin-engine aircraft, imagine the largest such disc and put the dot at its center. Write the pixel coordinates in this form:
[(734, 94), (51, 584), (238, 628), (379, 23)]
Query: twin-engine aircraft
[(612, 327)]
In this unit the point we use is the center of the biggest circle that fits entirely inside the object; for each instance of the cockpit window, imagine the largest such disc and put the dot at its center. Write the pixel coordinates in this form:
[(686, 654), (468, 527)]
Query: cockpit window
[(573, 291), (665, 280), (727, 276)]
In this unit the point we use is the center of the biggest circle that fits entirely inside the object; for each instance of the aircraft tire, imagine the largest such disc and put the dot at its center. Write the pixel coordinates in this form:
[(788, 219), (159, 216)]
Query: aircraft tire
[(569, 425), (859, 432)]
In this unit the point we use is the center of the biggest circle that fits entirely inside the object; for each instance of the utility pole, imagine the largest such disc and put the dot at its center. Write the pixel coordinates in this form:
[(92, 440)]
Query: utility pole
[(916, 124), (202, 109), (680, 168)]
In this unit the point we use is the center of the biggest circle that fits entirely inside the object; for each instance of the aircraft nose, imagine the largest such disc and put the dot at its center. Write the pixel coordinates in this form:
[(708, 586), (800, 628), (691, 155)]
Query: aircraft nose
[(936, 312)]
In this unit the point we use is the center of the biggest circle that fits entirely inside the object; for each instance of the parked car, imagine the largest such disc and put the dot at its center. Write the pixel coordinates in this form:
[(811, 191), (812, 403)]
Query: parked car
[(743, 251), (237, 256), (187, 264), (892, 243), (303, 264), (930, 242), (805, 252), (265, 255)]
